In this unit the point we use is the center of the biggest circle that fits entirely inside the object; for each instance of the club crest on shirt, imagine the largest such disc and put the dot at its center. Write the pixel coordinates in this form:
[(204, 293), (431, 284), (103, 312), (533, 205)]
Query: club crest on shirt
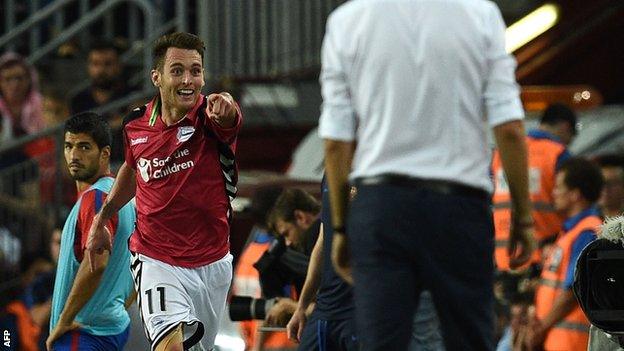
[(145, 169), (185, 133)]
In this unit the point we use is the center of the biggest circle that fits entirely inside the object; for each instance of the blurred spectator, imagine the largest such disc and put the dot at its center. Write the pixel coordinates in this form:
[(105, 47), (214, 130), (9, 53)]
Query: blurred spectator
[(106, 74), (560, 324), (612, 198), (26, 324), (21, 114), (55, 108), (10, 249), (560, 122), (246, 277), (514, 336), (105, 70), (42, 288), (20, 100), (55, 244)]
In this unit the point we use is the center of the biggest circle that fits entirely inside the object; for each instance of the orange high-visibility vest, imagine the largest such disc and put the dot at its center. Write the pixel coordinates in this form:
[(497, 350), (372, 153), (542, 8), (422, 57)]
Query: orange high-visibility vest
[(247, 283), (572, 333), (28, 331), (542, 155)]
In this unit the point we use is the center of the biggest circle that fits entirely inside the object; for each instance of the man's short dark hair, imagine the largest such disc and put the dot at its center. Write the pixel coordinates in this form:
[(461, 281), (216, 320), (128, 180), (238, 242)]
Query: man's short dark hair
[(610, 160), (105, 45), (556, 113), (291, 200), (262, 202), (583, 175), (92, 124), (180, 40)]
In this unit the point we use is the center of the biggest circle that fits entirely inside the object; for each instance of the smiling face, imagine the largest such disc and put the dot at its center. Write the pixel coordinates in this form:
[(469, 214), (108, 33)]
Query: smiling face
[(85, 160), (180, 79)]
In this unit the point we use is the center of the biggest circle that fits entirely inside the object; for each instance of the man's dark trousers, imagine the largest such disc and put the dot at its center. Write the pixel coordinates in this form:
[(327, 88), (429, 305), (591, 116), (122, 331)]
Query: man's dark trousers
[(404, 239), (328, 335)]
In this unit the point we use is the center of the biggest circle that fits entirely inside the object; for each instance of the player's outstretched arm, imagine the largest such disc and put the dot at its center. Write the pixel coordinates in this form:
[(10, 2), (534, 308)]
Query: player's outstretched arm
[(123, 190)]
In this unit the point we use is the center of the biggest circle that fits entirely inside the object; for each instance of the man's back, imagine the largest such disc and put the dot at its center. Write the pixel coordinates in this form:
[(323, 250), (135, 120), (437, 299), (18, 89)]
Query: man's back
[(422, 74)]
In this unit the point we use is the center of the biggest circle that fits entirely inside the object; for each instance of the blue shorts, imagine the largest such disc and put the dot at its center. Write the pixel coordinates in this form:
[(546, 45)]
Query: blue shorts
[(80, 340)]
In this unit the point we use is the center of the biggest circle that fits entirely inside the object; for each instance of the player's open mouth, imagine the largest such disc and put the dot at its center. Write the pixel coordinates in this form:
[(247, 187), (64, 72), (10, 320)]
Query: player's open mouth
[(185, 92)]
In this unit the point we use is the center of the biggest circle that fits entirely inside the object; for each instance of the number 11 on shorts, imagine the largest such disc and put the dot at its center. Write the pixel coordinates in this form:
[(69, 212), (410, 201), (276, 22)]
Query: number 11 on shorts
[(161, 291)]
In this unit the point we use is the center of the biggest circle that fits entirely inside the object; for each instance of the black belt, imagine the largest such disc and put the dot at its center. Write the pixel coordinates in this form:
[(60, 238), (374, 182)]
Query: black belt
[(434, 185)]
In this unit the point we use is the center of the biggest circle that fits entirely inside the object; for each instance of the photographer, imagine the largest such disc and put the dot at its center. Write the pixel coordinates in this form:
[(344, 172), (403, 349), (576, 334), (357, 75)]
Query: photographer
[(246, 285), (295, 220)]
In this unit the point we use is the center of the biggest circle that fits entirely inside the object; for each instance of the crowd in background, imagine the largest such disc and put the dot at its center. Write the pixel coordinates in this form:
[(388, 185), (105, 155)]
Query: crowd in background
[(29, 214)]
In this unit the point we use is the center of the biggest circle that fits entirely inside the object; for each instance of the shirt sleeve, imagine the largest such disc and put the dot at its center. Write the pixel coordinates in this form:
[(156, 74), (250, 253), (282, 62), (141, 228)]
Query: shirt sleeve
[(579, 244), (338, 117), (90, 205), (502, 94), (129, 158)]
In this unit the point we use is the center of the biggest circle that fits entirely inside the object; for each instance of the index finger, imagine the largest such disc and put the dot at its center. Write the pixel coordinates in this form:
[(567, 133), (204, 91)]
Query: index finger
[(214, 97)]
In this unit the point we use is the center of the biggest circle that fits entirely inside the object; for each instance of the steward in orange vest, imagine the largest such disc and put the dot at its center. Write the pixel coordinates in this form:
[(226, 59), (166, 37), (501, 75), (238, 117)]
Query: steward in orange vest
[(560, 323), (545, 154)]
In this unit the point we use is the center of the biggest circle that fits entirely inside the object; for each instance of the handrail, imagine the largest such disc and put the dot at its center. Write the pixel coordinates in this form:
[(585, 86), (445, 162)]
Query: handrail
[(126, 56), (94, 15), (32, 20), (13, 144)]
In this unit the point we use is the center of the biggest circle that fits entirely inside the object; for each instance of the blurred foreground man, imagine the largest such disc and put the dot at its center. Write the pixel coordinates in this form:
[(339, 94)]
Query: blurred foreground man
[(416, 84)]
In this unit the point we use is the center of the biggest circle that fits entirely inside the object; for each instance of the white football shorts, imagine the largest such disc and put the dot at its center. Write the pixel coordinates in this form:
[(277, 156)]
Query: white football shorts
[(169, 295)]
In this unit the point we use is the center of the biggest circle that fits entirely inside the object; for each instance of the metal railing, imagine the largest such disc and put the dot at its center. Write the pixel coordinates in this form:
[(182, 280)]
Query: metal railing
[(262, 38), (245, 39), (88, 16)]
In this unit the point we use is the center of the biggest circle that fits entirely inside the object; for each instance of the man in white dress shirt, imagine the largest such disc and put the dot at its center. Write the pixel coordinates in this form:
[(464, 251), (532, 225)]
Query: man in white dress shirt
[(416, 83)]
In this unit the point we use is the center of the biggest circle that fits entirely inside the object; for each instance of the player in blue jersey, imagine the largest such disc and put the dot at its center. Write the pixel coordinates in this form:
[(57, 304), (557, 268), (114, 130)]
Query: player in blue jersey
[(89, 308)]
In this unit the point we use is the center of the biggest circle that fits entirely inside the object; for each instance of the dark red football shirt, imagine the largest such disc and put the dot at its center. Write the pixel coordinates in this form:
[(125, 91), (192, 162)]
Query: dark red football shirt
[(180, 194)]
